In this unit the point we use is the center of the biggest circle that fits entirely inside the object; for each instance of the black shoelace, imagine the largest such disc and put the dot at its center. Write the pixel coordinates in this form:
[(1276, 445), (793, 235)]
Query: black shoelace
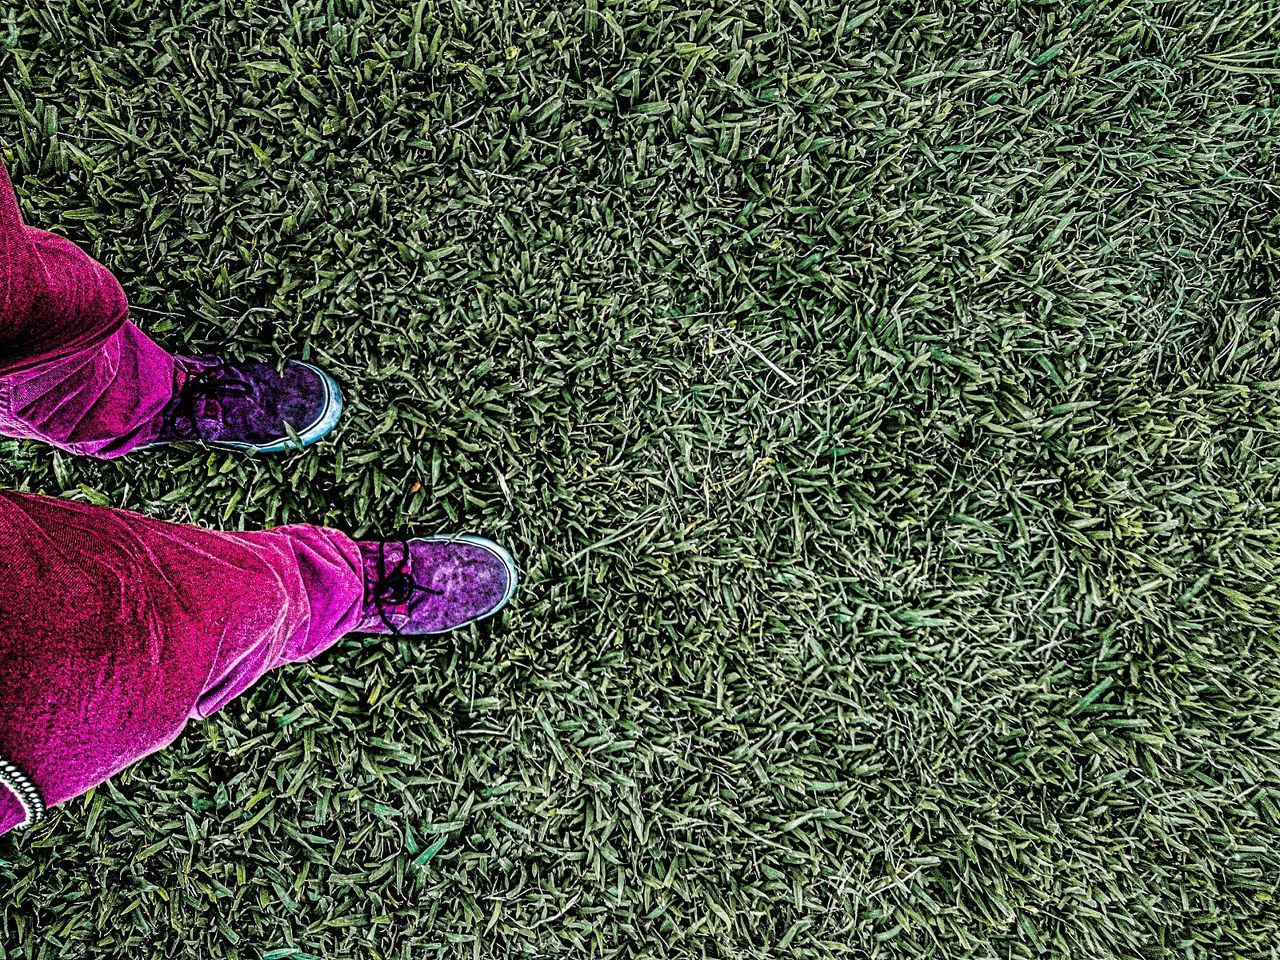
[(209, 383), (396, 587)]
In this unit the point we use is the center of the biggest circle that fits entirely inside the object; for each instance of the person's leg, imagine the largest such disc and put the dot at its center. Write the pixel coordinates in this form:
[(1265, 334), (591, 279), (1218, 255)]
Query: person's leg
[(75, 373), (115, 628), (105, 400), (55, 299), (128, 394)]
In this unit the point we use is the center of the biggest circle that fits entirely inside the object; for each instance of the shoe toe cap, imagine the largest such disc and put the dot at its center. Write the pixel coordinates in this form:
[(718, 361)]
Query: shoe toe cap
[(476, 581), (468, 579)]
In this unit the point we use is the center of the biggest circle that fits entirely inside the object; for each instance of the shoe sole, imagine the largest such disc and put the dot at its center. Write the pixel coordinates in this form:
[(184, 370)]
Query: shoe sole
[(324, 424), (513, 573)]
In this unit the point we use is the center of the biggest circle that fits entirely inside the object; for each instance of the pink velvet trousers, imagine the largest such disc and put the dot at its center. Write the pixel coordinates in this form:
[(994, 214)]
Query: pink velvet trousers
[(116, 629)]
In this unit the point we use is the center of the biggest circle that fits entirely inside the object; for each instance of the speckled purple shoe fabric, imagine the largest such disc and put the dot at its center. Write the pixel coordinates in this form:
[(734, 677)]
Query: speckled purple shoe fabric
[(433, 584), (246, 404)]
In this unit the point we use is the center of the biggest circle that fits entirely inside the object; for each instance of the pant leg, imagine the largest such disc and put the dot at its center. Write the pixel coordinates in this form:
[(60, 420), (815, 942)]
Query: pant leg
[(73, 371), (102, 401), (55, 299), (116, 629)]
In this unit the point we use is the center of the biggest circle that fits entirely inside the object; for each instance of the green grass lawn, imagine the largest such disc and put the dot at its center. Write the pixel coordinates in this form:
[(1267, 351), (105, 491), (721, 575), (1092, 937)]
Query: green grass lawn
[(883, 401)]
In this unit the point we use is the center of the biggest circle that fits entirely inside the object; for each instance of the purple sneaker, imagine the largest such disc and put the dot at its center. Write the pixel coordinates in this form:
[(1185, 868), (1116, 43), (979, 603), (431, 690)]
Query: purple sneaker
[(245, 405), (433, 584)]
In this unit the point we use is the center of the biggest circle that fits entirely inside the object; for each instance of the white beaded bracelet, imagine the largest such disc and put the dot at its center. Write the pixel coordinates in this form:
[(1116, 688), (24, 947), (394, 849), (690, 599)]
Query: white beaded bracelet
[(24, 790)]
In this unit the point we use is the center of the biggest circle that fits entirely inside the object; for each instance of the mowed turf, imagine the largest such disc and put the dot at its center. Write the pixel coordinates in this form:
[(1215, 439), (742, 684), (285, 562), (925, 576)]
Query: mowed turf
[(883, 401)]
